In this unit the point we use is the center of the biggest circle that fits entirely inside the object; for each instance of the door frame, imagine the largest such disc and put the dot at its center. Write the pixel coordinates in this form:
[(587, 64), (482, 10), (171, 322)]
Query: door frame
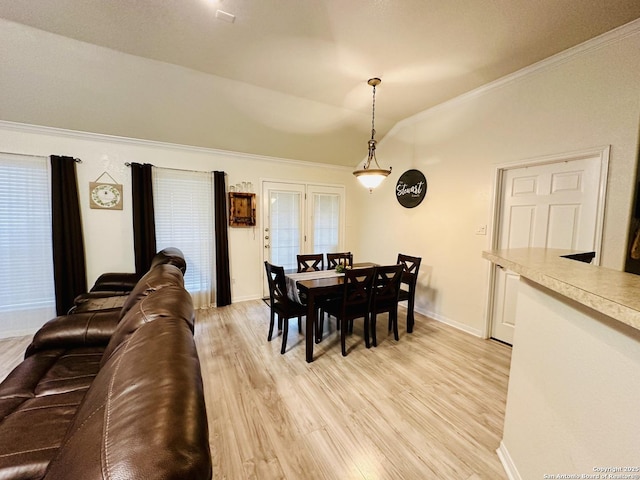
[(496, 210), (305, 216)]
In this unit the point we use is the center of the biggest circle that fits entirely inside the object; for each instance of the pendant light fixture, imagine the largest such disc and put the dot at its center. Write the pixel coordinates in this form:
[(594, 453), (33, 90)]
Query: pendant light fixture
[(372, 177)]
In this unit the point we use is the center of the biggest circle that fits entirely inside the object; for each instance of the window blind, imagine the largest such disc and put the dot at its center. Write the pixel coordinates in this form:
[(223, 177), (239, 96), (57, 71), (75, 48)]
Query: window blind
[(183, 204), (326, 228), (27, 295)]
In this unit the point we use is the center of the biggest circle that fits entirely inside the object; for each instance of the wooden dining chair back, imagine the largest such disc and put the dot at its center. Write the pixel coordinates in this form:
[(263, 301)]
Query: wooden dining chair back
[(386, 292), (280, 303), (310, 262), (410, 268), (355, 303), (333, 260), (342, 258)]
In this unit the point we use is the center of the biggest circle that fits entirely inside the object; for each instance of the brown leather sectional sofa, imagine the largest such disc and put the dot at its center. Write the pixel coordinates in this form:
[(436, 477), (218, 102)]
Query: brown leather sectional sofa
[(111, 393)]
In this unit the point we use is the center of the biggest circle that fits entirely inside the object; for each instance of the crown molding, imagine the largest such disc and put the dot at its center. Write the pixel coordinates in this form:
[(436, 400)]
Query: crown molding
[(607, 38), (99, 137)]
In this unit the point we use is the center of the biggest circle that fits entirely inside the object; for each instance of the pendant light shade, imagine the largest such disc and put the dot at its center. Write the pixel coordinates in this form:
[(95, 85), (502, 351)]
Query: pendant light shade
[(372, 177)]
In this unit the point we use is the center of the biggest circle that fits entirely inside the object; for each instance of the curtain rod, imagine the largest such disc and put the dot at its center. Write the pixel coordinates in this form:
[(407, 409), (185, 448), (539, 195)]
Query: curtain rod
[(77, 160), (128, 164)]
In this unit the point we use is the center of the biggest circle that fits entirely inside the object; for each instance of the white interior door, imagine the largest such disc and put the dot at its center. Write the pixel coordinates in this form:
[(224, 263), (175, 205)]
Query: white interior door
[(549, 205)]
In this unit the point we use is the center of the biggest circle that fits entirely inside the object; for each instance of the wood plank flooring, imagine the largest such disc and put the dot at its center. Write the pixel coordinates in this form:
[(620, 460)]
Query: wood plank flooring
[(429, 406), (12, 353)]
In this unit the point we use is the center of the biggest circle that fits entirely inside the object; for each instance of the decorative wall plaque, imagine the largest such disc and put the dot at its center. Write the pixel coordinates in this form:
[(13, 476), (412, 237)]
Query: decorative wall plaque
[(242, 209), (411, 188), (105, 196)]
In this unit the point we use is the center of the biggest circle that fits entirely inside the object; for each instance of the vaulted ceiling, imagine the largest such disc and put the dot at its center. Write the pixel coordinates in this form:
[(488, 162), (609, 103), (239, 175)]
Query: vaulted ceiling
[(425, 51)]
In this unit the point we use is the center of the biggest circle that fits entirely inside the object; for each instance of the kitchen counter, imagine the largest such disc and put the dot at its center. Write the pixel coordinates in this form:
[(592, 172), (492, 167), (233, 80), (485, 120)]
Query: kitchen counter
[(611, 292), (574, 381)]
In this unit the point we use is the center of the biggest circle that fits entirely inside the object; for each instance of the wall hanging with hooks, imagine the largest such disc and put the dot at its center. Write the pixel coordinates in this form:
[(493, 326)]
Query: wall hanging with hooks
[(105, 195)]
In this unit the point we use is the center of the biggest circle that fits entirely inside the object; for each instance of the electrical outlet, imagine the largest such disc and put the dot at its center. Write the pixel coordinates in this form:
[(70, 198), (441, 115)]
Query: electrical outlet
[(481, 230)]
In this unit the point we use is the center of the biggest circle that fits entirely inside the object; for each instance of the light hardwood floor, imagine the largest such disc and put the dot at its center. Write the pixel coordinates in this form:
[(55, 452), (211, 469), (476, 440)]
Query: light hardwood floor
[(12, 353), (430, 406)]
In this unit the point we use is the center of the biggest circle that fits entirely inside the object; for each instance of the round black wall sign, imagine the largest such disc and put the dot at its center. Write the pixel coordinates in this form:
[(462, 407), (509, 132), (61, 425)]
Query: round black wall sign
[(411, 188)]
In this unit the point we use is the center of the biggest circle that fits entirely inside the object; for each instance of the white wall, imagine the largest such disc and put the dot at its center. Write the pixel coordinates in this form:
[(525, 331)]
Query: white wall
[(109, 234), (585, 98), (573, 389)]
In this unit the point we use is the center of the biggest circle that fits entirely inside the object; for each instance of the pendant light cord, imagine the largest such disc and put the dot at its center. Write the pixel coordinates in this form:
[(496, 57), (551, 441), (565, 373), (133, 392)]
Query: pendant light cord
[(373, 114)]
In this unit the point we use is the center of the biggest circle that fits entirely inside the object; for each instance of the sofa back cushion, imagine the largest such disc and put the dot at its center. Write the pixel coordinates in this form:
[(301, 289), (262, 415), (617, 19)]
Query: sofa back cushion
[(155, 279), (73, 331), (144, 414), (167, 302)]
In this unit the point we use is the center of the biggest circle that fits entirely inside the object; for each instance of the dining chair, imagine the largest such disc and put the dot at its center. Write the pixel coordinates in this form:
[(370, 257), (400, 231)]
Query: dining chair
[(384, 299), (355, 303), (335, 259), (310, 262), (280, 303), (410, 266)]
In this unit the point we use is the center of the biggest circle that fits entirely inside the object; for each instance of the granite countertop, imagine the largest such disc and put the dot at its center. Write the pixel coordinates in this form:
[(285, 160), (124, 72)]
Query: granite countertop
[(611, 292)]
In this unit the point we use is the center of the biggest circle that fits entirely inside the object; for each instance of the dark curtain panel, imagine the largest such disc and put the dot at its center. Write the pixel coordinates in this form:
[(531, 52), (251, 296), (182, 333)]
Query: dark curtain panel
[(223, 278), (69, 272), (144, 226)]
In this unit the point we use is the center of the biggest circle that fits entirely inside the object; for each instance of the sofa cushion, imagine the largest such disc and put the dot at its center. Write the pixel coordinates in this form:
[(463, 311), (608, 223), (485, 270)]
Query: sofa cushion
[(78, 330), (74, 370), (90, 302), (33, 432), (9, 404), (115, 282), (144, 415), (52, 371), (23, 380), (170, 301), (38, 400), (159, 277)]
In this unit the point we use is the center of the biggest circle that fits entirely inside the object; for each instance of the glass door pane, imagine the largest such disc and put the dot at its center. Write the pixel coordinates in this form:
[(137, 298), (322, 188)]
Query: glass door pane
[(327, 219), (284, 229)]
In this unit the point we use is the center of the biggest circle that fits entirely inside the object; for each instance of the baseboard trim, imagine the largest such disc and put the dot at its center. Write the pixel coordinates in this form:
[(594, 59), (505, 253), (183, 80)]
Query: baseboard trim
[(507, 463), (246, 298), (452, 323)]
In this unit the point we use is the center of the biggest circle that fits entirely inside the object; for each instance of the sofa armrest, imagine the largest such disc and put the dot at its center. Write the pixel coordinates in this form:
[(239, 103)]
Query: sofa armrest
[(77, 330), (115, 282)]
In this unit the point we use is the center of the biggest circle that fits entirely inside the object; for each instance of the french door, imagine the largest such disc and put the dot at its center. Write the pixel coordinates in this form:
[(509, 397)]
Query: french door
[(301, 218)]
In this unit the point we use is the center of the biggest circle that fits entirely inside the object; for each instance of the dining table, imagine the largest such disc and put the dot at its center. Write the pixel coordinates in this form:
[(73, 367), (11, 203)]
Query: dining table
[(312, 286)]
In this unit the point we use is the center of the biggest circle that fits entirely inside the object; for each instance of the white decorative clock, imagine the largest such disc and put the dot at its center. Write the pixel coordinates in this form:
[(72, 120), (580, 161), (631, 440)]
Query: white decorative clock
[(105, 196)]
